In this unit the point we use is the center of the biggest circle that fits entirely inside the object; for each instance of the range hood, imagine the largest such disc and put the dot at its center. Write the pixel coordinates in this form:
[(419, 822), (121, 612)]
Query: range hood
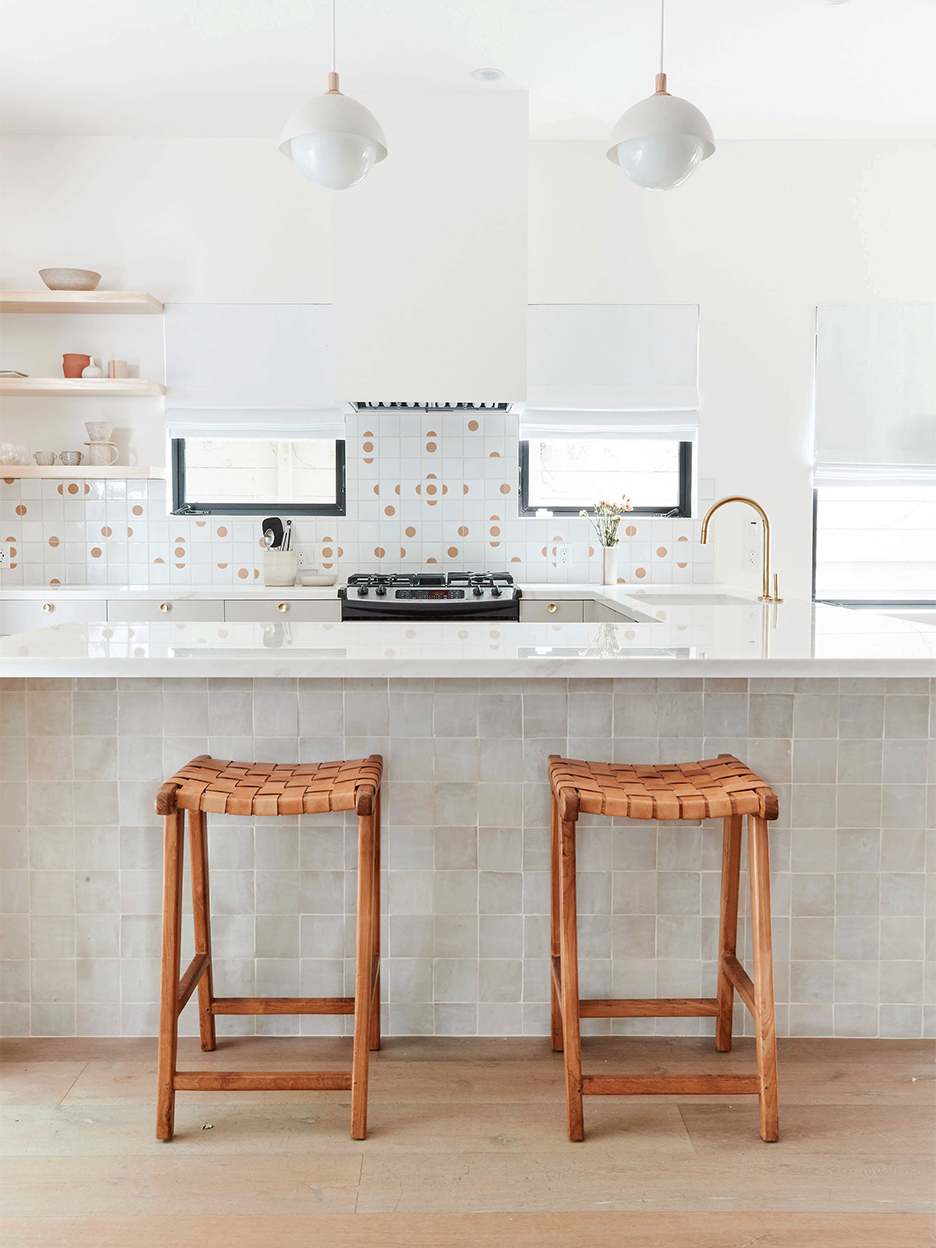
[(430, 256)]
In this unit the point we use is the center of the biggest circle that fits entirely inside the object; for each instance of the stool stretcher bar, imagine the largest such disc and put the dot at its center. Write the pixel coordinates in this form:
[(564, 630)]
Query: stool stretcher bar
[(262, 1081), (282, 1005)]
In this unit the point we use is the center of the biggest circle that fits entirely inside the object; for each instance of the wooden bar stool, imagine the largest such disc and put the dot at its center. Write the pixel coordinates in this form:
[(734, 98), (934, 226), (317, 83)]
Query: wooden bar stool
[(260, 790), (720, 787)]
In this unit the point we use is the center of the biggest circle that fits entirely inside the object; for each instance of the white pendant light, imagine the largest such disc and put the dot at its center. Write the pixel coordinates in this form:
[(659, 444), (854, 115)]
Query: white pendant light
[(660, 141), (334, 140)]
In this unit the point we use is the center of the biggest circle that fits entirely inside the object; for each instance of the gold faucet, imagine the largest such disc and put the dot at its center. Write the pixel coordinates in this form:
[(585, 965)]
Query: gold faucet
[(766, 596)]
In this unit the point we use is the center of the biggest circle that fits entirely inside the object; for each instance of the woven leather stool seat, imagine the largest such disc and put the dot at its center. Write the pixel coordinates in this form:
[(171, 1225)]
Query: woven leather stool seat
[(232, 788), (712, 789)]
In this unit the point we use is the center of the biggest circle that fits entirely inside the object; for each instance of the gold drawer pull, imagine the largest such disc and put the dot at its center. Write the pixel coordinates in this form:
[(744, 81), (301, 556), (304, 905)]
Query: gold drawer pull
[(48, 606), (283, 606), (165, 606), (551, 606)]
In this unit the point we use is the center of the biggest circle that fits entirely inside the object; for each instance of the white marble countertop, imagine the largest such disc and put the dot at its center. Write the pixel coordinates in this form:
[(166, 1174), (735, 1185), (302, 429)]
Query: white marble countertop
[(698, 637)]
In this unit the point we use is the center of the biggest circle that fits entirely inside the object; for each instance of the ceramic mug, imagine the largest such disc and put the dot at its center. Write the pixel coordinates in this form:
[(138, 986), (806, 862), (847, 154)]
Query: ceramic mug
[(71, 459), (99, 453), (73, 365), (44, 459)]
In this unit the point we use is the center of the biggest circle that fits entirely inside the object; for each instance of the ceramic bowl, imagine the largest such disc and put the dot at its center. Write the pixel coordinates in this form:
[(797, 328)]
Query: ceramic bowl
[(310, 579), (11, 454), (70, 279)]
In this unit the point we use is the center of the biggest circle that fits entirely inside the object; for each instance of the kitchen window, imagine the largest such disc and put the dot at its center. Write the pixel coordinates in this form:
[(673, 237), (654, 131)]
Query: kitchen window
[(875, 536), (567, 475), (230, 475)]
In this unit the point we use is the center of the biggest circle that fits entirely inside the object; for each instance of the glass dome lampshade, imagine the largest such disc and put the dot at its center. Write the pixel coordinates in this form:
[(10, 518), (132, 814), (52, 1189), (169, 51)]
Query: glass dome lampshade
[(661, 140), (334, 140)]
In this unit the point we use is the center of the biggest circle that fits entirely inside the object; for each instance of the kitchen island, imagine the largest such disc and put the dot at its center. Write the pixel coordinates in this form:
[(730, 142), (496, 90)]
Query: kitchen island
[(831, 707)]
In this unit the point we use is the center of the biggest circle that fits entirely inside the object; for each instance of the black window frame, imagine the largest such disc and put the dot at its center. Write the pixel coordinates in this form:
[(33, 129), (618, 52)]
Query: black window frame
[(859, 604), (182, 507), (682, 510)]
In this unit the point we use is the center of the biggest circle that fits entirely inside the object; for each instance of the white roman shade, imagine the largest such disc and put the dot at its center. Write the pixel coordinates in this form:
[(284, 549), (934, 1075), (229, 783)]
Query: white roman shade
[(876, 385), (283, 424), (612, 371)]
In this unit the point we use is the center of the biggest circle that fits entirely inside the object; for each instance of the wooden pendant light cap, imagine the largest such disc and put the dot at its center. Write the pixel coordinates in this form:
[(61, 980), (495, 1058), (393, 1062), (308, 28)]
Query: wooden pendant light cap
[(661, 85), (333, 84)]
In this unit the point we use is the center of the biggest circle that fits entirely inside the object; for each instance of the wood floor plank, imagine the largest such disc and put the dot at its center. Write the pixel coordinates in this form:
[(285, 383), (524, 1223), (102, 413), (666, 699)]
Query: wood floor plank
[(585, 1180), (859, 1130), (88, 1187), (26, 1083), (482, 1230), (102, 1128)]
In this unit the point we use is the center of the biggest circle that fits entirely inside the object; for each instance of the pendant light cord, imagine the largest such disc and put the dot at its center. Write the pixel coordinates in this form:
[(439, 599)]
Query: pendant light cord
[(662, 14), (333, 70)]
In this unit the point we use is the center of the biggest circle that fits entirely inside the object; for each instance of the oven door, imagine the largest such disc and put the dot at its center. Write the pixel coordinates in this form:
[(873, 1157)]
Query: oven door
[(371, 608)]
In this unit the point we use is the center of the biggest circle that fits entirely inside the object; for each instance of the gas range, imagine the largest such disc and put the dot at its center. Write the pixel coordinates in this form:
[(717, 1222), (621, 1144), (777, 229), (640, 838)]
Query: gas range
[(430, 596)]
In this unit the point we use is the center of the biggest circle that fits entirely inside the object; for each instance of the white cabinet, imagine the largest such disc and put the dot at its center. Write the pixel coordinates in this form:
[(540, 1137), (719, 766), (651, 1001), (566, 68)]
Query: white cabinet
[(25, 614), (314, 611), (561, 611), (153, 611)]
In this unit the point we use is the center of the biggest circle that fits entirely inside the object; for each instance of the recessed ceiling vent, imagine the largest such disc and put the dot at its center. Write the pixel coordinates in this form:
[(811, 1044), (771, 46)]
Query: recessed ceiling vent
[(400, 406)]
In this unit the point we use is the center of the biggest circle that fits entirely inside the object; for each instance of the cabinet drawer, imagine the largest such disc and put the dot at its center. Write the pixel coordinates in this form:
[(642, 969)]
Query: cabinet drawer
[(155, 610), (562, 611), (298, 611), (24, 615)]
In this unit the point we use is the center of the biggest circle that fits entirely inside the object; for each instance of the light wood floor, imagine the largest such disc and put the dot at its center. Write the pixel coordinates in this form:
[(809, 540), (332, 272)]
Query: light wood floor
[(467, 1149)]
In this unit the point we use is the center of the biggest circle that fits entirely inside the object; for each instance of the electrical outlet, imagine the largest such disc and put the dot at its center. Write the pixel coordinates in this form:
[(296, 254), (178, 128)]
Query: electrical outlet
[(751, 550), (7, 550), (563, 555), (306, 556)]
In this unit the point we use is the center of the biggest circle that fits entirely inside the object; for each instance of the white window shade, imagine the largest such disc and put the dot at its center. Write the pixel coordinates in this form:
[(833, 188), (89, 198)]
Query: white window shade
[(282, 424), (876, 385), (574, 424), (252, 355), (613, 357)]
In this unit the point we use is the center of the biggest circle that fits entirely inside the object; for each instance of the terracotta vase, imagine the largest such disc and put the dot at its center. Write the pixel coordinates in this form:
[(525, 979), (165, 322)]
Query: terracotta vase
[(73, 365)]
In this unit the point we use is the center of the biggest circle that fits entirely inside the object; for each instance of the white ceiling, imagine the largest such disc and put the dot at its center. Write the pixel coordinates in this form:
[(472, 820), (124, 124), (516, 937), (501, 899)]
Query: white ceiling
[(782, 68)]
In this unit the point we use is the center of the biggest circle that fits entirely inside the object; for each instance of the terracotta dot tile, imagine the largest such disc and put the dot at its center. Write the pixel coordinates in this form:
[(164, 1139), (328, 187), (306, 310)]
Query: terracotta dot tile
[(682, 539), (327, 552), (463, 530), (107, 531), (464, 489), (640, 573), (20, 510), (630, 530), (661, 551), (200, 524), (53, 541), (379, 552), (431, 447), (159, 561), (682, 565), (473, 426), (389, 511), (368, 447), (494, 455), (222, 531), (180, 552), (494, 531), (452, 552), (55, 581), (222, 565), (505, 488), (243, 573), (96, 552), (410, 531), (137, 510), (73, 488)]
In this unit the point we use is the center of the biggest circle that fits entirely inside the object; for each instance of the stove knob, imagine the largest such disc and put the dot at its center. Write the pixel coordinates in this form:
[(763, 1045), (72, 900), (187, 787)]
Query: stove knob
[(381, 591), (478, 591), (362, 591), (495, 591)]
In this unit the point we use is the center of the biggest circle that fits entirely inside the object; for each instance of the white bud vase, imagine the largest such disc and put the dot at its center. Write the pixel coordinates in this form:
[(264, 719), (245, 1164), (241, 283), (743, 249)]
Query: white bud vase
[(91, 371), (609, 556)]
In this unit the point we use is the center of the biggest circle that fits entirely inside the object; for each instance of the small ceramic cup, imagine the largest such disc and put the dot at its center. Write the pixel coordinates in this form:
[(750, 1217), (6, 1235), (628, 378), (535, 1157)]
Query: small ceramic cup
[(99, 430), (45, 459), (71, 459), (102, 453)]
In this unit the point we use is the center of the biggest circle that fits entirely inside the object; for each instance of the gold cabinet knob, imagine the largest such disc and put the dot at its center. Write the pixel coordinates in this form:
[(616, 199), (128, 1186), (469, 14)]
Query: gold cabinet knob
[(283, 606), (551, 606), (165, 606), (48, 606)]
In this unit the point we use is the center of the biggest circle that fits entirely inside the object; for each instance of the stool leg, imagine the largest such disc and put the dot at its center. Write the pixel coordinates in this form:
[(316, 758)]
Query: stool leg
[(763, 977), (728, 928), (554, 951), (568, 943), (363, 974), (201, 912), (375, 947), (174, 840)]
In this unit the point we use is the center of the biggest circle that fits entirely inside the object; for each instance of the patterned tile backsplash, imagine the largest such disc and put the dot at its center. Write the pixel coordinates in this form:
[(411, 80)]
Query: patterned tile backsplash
[(466, 850), (422, 490)]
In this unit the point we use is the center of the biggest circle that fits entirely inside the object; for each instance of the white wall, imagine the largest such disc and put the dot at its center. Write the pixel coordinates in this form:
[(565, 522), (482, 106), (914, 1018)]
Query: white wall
[(761, 234)]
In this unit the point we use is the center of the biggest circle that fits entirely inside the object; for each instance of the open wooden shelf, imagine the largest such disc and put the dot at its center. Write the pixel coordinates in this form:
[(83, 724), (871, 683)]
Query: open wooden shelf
[(9, 472), (78, 387), (103, 302)]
